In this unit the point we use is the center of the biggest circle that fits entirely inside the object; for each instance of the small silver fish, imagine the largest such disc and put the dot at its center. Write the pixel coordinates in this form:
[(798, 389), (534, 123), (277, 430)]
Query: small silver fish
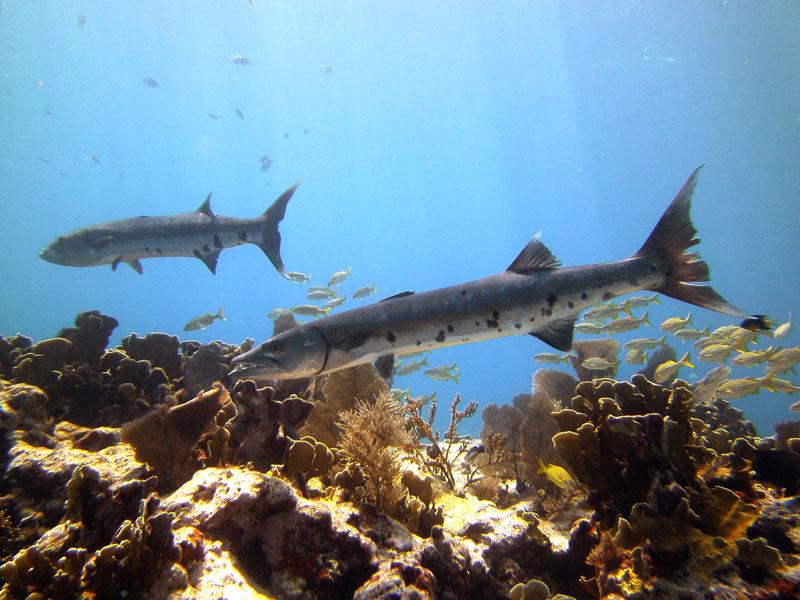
[(152, 83), (738, 388), (277, 312), (365, 291), (339, 276), (688, 333), (596, 363), (204, 321), (784, 360), (609, 310), (644, 343), (310, 310), (588, 327), (635, 356), (638, 302), (773, 384), (675, 323), (320, 294), (552, 357), (748, 359), (670, 368), (321, 288), (412, 367), (444, 373), (334, 302), (241, 60), (399, 395), (625, 324), (715, 352), (781, 331), (297, 277)]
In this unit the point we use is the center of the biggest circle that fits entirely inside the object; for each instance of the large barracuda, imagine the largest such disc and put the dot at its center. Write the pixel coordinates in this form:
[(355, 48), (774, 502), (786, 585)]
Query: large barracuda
[(533, 296), (201, 234)]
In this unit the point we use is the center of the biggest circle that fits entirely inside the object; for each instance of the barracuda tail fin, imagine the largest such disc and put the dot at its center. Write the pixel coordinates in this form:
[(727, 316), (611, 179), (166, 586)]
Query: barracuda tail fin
[(668, 242), (270, 236)]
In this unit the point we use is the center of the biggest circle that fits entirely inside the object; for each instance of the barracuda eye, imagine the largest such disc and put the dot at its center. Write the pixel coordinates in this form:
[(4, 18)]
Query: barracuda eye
[(275, 348)]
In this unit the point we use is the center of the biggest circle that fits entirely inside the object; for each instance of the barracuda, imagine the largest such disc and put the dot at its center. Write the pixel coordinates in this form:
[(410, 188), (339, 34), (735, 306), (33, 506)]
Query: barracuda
[(533, 296), (200, 234)]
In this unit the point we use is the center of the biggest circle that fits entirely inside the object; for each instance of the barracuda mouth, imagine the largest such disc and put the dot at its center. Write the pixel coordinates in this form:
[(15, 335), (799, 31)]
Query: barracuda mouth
[(263, 368)]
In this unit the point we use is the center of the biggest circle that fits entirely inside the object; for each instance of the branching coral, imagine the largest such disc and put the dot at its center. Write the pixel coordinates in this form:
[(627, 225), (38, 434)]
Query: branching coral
[(372, 435), (441, 457)]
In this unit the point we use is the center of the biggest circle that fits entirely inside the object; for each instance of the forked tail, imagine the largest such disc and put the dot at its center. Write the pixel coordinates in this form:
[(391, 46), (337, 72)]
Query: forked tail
[(669, 240), (270, 241)]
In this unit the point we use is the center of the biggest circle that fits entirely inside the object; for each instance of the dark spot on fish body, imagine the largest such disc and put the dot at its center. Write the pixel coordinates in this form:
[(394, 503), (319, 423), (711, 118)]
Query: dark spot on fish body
[(496, 315), (449, 328), (159, 251), (543, 310), (551, 299), (517, 326), (492, 323), (419, 342), (477, 323), (463, 292), (634, 281), (499, 329), (608, 296), (392, 338), (532, 319), (242, 235), (196, 253), (217, 241), (599, 286), (147, 249), (570, 304), (584, 296), (206, 248), (440, 337)]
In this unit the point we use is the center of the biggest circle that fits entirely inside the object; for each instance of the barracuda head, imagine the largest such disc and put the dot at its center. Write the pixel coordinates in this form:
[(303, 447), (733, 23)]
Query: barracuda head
[(296, 353), (81, 248)]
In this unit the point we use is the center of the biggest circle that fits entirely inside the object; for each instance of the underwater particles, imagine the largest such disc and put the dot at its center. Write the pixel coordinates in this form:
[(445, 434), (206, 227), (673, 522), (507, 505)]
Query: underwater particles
[(241, 60), (151, 83), (204, 321), (200, 234), (532, 296), (266, 162), (81, 21), (325, 68)]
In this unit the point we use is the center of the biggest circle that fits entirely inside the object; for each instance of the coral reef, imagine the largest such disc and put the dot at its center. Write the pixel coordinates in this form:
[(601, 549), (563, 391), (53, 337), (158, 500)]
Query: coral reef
[(138, 471)]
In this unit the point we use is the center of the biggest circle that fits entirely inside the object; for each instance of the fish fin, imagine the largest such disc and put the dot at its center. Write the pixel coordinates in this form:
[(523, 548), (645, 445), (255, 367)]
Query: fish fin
[(535, 256), (351, 342), (136, 265), (270, 236), (101, 242), (400, 295), (670, 238), (115, 263), (557, 334), (210, 260), (205, 207), (219, 315), (385, 366)]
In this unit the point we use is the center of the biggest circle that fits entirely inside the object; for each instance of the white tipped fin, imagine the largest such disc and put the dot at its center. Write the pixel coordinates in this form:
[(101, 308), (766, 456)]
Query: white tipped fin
[(535, 256)]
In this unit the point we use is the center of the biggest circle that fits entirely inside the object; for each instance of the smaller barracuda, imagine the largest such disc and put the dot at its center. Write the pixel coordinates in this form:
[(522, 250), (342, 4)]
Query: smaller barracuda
[(200, 234)]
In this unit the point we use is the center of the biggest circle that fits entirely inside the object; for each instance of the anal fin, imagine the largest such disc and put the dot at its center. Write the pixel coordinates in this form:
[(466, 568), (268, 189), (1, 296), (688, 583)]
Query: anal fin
[(136, 266), (557, 334), (210, 260)]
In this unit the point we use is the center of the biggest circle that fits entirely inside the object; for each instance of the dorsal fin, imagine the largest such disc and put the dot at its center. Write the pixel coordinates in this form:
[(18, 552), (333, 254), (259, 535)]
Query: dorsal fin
[(400, 295), (534, 257), (205, 207)]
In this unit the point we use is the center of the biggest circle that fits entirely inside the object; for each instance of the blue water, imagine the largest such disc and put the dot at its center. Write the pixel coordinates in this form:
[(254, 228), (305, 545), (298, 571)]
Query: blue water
[(445, 135)]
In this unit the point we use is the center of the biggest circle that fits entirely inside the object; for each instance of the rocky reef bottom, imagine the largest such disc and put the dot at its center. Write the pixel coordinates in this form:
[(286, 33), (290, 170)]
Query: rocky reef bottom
[(141, 472)]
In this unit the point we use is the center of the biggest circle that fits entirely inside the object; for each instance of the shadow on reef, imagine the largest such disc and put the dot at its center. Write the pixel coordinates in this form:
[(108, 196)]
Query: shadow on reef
[(140, 468)]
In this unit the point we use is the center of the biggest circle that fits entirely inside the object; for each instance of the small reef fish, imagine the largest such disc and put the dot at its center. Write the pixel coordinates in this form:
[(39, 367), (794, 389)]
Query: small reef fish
[(785, 360), (534, 295), (200, 234), (635, 356), (412, 367), (444, 373), (644, 343), (774, 384), (795, 407), (738, 388), (241, 60), (588, 327), (675, 323), (756, 323), (638, 302), (399, 395), (277, 312), (322, 288), (327, 69), (310, 310), (596, 363), (266, 162), (552, 357), (204, 321), (334, 302), (474, 452), (626, 324), (238, 112), (748, 359), (670, 368), (687, 333), (426, 398), (555, 474), (214, 116), (724, 332), (416, 354), (715, 352), (781, 331), (95, 159), (741, 337), (365, 291), (297, 277), (151, 83), (339, 276), (609, 310), (320, 294)]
